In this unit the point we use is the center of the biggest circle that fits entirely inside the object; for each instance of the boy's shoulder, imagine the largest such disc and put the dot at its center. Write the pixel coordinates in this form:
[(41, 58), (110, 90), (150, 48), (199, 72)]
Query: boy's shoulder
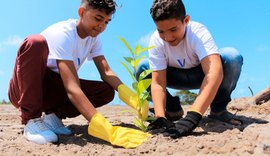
[(194, 26), (67, 24), (60, 28), (155, 38), (195, 29), (70, 23), (195, 23)]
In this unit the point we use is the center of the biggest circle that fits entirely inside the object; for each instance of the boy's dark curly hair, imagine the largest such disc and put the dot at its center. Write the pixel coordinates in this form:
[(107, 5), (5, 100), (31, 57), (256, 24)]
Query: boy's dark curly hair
[(109, 6), (167, 9)]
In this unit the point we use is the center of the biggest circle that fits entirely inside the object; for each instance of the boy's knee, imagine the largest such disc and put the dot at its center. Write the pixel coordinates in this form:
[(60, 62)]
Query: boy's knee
[(35, 43), (35, 39), (232, 62), (229, 54)]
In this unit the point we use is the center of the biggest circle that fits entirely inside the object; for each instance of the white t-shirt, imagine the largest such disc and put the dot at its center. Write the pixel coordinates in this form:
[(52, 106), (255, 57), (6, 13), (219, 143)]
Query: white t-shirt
[(65, 44), (197, 44)]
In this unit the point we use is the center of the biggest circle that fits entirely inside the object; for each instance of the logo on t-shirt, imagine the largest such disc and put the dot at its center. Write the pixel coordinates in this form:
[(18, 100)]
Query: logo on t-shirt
[(181, 63), (79, 61)]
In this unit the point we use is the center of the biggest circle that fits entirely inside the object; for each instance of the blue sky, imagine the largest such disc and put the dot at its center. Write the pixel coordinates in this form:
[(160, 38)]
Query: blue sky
[(240, 24)]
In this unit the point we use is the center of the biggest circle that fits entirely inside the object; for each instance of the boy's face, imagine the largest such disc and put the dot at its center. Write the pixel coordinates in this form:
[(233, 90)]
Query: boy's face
[(92, 22), (172, 30)]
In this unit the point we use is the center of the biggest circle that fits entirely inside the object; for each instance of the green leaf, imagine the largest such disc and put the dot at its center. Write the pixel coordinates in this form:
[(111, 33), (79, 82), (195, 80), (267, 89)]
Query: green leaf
[(137, 50), (126, 44), (143, 85), (130, 60), (140, 124), (138, 60), (135, 85), (129, 71), (143, 50), (142, 98), (144, 74)]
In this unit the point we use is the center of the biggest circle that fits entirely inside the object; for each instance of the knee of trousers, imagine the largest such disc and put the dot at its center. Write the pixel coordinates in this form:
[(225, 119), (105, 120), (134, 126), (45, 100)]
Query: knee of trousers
[(232, 62), (36, 43), (231, 57)]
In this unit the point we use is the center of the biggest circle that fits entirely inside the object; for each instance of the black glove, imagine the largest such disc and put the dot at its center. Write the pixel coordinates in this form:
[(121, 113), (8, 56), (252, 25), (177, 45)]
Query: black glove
[(185, 125), (160, 125)]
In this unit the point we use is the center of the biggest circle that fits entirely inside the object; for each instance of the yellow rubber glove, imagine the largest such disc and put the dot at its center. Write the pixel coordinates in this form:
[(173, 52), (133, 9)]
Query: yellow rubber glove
[(120, 136), (131, 99)]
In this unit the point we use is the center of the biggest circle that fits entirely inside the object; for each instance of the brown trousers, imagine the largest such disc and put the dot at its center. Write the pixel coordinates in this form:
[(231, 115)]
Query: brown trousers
[(34, 88)]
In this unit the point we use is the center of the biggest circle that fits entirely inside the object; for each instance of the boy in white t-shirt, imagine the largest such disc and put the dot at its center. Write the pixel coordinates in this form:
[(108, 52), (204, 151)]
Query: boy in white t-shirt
[(45, 80), (186, 57)]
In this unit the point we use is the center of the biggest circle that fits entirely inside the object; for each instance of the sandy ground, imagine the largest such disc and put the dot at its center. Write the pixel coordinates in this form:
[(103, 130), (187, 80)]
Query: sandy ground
[(210, 138)]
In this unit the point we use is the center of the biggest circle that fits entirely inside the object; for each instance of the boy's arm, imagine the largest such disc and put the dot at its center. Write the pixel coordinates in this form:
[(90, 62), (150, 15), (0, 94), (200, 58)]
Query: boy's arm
[(72, 86), (158, 92), (212, 68), (106, 73), (98, 126), (124, 93)]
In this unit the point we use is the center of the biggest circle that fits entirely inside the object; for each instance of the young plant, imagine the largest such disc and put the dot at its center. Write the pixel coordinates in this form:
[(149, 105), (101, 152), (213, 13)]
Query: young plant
[(139, 86)]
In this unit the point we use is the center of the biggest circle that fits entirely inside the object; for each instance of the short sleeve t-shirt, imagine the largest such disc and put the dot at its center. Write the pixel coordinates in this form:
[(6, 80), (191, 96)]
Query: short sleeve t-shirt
[(64, 43), (197, 44)]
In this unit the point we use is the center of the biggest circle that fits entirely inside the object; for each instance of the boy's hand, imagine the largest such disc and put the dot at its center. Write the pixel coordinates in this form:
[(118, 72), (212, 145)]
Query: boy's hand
[(120, 136), (185, 125), (131, 99), (160, 125)]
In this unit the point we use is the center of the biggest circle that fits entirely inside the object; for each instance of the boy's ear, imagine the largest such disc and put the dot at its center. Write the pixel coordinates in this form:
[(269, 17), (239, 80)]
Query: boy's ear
[(186, 19), (81, 11)]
